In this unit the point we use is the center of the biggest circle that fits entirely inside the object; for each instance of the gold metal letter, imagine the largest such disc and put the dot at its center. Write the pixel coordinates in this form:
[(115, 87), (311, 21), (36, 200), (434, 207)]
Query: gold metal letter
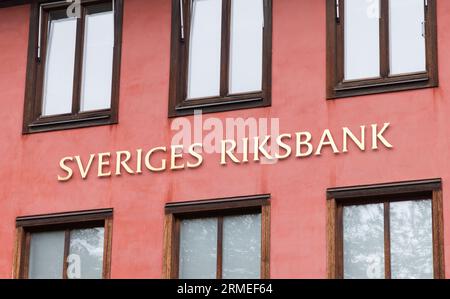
[(66, 169)]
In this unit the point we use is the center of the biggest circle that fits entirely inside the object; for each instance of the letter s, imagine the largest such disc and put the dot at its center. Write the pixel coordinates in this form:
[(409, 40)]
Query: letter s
[(196, 155), (66, 168)]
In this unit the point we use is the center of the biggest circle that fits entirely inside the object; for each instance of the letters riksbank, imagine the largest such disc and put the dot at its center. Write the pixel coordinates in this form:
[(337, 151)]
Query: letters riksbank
[(258, 149)]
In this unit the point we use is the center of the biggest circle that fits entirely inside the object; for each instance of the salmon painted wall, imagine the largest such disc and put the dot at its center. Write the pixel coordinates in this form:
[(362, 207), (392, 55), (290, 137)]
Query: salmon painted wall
[(420, 133)]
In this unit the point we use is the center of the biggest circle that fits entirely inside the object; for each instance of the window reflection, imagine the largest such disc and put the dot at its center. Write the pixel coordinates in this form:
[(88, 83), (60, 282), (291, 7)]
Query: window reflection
[(364, 241), (410, 240)]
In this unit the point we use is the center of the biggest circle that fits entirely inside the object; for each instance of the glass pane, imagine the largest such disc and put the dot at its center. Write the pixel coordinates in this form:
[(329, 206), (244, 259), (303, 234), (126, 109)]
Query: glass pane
[(198, 249), (362, 45), (242, 247), (407, 44), (46, 255), (247, 19), (98, 61), (205, 49), (364, 241), (85, 258), (411, 239), (59, 71)]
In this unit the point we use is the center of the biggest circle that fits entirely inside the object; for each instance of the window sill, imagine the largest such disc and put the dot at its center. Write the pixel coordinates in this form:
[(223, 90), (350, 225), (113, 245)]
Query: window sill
[(351, 89), (229, 103), (67, 123)]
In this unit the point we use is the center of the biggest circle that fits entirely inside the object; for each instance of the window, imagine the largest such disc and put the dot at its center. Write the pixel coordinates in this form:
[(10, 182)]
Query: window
[(64, 246), (380, 46), (73, 65), (221, 55), (386, 231), (224, 238)]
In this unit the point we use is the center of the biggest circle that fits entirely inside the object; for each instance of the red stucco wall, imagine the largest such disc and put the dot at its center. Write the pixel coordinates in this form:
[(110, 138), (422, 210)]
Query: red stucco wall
[(420, 133)]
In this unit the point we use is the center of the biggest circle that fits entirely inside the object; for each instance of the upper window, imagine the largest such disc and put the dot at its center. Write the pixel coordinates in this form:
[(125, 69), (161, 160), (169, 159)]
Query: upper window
[(387, 231), (68, 245), (221, 55), (380, 45), (73, 67), (226, 238)]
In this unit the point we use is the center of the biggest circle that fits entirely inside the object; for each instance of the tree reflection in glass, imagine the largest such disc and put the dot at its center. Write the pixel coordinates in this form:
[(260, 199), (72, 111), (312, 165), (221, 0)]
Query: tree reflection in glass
[(363, 241), (198, 248), (86, 253), (242, 247), (411, 239)]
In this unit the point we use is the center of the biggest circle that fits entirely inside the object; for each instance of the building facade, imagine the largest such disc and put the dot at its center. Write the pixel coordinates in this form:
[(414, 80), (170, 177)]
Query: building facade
[(224, 139)]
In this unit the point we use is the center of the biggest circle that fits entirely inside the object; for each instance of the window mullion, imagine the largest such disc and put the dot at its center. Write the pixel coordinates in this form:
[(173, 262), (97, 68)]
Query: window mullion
[(219, 247), (66, 253), (427, 34), (340, 43), (76, 100), (384, 38), (387, 241), (225, 48), (44, 26), (186, 15)]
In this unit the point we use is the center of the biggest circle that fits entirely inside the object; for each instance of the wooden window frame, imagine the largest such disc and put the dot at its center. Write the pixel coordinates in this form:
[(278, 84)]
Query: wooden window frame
[(337, 87), (33, 121), (175, 212), (178, 105), (25, 226), (383, 193)]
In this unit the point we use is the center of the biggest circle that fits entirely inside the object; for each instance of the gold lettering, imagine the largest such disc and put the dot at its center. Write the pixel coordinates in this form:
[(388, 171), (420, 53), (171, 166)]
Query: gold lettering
[(361, 143), (196, 155), (326, 136), (306, 142), (260, 148), (139, 161), (66, 169), (228, 152), (102, 163), (176, 153), (84, 171), (148, 156), (123, 163), (245, 145), (379, 136), (284, 146)]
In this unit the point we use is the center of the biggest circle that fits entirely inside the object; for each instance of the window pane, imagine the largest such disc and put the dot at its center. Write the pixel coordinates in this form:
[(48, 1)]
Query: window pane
[(411, 239), (98, 61), (407, 44), (60, 62), (242, 247), (364, 241), (247, 18), (198, 248), (205, 49), (362, 45), (46, 255), (85, 258)]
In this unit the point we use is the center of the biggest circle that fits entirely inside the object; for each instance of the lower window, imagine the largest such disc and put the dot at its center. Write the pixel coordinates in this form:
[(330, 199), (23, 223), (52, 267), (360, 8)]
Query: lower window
[(227, 238), (64, 246), (387, 231)]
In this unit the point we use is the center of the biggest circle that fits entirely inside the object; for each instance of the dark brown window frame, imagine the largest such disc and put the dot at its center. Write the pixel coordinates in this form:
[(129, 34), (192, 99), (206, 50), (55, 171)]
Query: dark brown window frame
[(174, 212), (383, 193), (61, 221), (338, 88), (178, 105), (33, 121)]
